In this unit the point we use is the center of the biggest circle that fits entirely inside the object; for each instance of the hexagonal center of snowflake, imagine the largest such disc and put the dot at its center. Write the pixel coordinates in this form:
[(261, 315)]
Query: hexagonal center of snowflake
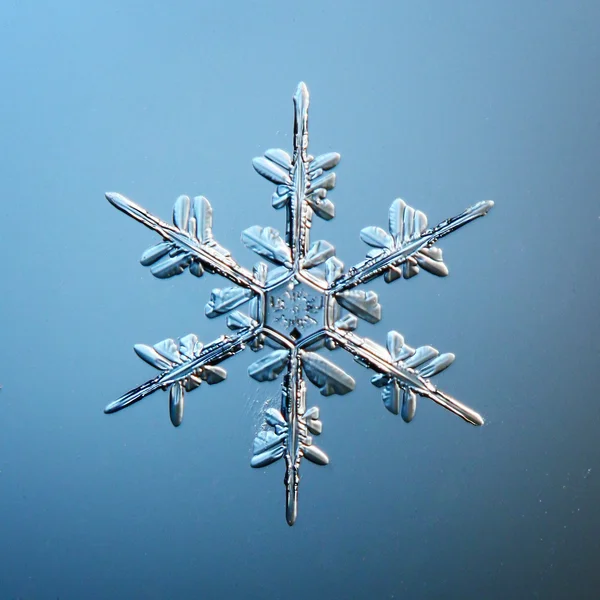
[(295, 310)]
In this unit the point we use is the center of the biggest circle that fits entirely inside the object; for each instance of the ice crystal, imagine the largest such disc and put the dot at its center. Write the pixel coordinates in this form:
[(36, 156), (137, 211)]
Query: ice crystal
[(304, 302)]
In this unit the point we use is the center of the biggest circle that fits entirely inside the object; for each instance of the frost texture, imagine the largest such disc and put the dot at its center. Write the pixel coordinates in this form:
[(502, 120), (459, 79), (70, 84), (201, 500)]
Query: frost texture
[(302, 302)]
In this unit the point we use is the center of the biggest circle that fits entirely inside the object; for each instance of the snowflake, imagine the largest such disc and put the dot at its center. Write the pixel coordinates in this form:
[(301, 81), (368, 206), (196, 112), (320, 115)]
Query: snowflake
[(306, 302)]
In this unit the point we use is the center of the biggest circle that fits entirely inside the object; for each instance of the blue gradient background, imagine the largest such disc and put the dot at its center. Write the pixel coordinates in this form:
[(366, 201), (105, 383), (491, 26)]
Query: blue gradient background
[(441, 103)]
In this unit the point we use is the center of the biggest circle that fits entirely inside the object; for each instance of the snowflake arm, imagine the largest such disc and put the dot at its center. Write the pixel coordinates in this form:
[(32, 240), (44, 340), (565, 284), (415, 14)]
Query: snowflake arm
[(408, 246), (302, 185), (402, 372), (288, 436), (188, 243), (288, 430), (184, 364)]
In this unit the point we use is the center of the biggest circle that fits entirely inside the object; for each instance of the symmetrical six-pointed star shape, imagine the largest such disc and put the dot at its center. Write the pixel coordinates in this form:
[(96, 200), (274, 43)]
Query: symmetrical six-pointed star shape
[(305, 301)]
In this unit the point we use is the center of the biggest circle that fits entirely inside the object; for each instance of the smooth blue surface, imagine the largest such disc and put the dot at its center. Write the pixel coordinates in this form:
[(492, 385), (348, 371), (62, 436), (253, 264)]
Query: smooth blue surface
[(443, 104)]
